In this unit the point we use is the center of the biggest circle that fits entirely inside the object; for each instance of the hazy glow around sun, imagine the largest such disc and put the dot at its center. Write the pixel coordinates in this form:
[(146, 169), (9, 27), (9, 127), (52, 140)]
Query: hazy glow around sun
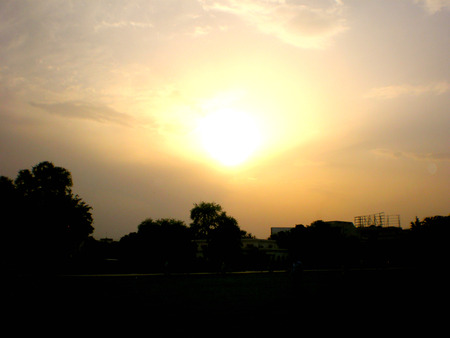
[(229, 136)]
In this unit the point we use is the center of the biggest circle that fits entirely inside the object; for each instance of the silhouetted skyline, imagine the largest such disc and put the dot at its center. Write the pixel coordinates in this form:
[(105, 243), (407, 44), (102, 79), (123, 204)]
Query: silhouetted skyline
[(283, 112)]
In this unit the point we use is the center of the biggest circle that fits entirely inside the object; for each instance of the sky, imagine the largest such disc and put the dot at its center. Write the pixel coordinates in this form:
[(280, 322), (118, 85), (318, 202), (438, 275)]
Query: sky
[(282, 111)]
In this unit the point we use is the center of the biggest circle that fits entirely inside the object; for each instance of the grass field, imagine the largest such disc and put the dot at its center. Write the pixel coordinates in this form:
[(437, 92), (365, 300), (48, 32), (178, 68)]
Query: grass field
[(228, 301)]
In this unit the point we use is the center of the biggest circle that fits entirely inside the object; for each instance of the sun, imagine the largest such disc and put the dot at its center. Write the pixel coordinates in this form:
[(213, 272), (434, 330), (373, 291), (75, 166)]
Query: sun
[(229, 136)]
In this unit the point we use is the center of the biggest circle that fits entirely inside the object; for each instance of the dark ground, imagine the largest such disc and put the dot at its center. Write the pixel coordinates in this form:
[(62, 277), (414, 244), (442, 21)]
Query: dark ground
[(257, 302)]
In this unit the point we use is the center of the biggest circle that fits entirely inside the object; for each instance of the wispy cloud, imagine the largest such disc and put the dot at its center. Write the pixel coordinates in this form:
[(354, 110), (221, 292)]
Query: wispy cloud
[(394, 154), (85, 111), (122, 24), (434, 6), (311, 24), (392, 92)]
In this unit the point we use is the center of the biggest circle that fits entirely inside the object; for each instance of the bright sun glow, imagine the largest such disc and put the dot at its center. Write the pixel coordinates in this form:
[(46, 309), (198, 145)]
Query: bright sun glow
[(229, 136)]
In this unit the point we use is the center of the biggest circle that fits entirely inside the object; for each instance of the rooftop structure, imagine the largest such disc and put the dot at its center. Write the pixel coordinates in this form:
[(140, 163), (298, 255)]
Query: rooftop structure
[(379, 219)]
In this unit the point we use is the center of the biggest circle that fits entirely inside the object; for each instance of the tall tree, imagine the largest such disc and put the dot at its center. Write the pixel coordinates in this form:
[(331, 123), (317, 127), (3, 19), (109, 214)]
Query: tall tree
[(48, 222), (221, 231), (225, 246), (205, 218)]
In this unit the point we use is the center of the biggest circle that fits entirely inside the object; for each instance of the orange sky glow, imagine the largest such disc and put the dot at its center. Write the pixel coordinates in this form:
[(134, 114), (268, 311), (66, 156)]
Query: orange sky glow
[(282, 111)]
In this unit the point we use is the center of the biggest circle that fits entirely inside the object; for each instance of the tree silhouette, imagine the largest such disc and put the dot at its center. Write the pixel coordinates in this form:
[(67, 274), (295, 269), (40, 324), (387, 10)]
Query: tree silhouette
[(430, 240), (46, 222), (225, 242), (205, 218), (221, 232), (162, 244)]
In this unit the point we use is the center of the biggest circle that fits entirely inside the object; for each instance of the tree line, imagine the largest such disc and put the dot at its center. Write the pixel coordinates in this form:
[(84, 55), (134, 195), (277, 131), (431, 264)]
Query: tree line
[(46, 227), (171, 245), (322, 245)]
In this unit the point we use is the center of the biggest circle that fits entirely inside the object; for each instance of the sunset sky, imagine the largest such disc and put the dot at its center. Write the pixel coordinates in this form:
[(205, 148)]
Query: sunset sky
[(283, 112)]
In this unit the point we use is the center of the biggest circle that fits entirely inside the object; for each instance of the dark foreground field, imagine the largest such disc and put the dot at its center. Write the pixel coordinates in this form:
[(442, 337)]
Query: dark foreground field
[(234, 301)]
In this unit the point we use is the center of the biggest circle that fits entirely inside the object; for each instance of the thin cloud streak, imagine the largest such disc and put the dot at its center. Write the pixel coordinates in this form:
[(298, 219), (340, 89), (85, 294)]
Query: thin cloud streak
[(122, 24), (85, 111), (411, 155), (392, 92)]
